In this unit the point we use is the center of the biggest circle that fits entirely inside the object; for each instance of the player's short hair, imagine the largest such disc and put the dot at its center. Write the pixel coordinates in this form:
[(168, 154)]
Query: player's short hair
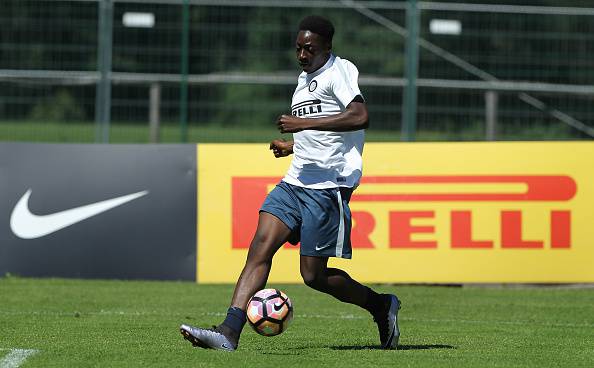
[(318, 25)]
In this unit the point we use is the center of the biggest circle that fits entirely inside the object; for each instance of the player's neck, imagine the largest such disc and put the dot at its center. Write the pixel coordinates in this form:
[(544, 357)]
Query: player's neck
[(324, 66)]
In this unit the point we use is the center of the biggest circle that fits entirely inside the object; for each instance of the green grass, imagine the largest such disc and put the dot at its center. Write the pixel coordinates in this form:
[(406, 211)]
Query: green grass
[(78, 323), (81, 132), (139, 133)]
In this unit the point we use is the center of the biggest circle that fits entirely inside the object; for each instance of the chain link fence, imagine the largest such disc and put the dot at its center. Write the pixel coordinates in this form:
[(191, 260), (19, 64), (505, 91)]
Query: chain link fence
[(222, 71)]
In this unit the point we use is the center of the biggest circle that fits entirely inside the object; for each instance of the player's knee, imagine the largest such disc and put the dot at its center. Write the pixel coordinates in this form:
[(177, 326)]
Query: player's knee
[(261, 250), (314, 280), (258, 258)]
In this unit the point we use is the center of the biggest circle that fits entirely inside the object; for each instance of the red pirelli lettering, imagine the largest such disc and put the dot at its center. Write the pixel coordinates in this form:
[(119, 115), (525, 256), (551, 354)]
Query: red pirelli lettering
[(401, 229), (561, 229), (248, 194), (511, 232), (363, 226), (461, 232)]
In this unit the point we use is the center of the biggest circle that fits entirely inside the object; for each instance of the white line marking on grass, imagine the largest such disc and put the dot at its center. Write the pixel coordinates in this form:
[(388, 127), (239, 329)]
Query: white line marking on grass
[(16, 357), (104, 312)]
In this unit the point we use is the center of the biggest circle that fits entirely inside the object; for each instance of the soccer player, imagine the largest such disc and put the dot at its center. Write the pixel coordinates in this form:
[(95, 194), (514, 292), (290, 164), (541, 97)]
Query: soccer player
[(310, 204)]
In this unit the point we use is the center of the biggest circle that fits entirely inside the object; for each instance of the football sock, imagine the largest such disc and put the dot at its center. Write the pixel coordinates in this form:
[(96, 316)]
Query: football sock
[(235, 319), (374, 303)]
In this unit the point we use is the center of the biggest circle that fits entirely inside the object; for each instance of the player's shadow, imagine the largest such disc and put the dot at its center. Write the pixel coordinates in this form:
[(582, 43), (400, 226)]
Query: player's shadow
[(400, 347)]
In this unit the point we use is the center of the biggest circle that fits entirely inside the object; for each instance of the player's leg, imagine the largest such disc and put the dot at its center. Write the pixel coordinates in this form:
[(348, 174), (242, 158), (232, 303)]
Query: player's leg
[(332, 281), (383, 307), (270, 235), (326, 228)]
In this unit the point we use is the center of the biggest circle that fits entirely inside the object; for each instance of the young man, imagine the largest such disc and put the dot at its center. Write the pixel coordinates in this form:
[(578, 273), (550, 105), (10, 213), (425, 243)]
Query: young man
[(310, 204)]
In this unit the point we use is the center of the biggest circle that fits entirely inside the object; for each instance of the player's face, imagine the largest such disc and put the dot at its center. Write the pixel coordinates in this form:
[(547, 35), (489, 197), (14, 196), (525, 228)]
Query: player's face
[(312, 51)]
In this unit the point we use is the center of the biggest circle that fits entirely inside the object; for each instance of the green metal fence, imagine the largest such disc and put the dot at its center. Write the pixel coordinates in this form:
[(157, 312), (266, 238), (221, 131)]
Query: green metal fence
[(130, 71)]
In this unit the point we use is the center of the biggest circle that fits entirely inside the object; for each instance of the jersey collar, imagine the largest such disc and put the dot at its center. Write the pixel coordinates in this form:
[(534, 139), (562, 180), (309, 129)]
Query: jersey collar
[(328, 64)]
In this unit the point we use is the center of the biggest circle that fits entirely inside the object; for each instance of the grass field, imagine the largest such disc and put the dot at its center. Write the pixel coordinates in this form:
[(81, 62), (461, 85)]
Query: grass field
[(84, 323), (31, 131), (139, 133)]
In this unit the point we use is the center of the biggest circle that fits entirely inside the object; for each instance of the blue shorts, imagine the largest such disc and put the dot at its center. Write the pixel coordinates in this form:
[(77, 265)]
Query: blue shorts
[(318, 218)]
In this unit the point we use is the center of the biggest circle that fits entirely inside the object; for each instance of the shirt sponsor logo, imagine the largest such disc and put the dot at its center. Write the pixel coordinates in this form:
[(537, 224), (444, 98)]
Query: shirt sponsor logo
[(307, 107)]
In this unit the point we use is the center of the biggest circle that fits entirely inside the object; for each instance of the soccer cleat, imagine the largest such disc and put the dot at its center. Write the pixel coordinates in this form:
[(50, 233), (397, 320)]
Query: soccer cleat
[(387, 322), (207, 338)]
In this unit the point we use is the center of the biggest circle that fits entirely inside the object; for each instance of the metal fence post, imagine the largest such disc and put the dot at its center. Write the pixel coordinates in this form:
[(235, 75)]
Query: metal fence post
[(491, 101), (183, 102), (409, 108), (104, 54)]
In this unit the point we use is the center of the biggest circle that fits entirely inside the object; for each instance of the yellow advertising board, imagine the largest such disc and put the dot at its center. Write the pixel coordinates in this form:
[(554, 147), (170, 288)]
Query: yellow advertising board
[(505, 212)]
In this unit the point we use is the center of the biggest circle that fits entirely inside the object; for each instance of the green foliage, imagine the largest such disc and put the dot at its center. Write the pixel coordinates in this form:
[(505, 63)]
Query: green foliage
[(47, 35), (255, 103), (80, 132), (62, 35), (371, 47), (62, 106)]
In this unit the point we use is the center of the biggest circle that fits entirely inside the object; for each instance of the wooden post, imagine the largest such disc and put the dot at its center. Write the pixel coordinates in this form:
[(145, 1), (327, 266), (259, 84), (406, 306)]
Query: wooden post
[(154, 108), (491, 101)]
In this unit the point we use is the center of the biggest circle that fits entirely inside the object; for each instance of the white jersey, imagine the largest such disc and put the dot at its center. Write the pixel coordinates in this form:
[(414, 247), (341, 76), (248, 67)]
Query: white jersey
[(325, 159)]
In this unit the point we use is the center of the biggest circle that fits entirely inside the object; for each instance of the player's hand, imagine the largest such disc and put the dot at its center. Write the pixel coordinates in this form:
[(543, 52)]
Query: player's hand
[(281, 148), (289, 124)]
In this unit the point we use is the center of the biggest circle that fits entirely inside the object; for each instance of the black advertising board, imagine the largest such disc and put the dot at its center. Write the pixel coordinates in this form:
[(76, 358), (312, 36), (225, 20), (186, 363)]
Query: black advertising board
[(98, 211)]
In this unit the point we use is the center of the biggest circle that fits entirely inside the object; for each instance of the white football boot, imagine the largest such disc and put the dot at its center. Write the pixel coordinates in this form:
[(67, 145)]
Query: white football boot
[(207, 338)]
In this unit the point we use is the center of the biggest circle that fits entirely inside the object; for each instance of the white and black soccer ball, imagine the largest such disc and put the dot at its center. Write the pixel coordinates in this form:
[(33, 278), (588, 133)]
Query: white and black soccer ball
[(269, 312)]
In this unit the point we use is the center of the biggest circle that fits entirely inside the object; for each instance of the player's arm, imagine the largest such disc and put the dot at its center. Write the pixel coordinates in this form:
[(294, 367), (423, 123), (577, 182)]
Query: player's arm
[(354, 117), (281, 147)]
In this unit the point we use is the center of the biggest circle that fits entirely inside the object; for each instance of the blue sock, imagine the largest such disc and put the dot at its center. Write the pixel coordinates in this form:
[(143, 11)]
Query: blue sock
[(235, 319)]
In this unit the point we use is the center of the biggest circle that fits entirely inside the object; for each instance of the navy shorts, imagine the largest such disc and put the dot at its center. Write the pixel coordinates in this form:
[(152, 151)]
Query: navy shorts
[(318, 218)]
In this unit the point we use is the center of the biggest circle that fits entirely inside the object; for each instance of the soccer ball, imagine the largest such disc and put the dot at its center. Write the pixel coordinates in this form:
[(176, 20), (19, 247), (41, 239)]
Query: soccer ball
[(269, 312)]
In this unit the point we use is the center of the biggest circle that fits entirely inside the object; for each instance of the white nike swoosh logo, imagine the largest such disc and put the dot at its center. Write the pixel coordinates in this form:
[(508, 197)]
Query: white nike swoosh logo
[(318, 248), (27, 225)]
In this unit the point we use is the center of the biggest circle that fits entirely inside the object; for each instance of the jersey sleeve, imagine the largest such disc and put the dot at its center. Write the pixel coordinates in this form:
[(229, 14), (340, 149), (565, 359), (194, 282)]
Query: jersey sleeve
[(345, 84)]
